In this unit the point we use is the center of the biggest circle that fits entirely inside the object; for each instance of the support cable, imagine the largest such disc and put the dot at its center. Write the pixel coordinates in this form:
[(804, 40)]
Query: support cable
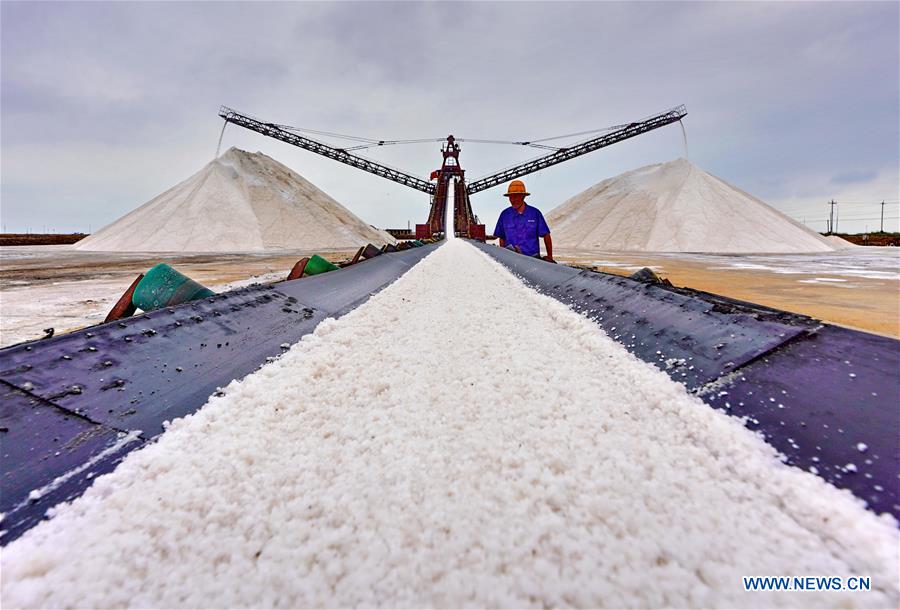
[(564, 154)]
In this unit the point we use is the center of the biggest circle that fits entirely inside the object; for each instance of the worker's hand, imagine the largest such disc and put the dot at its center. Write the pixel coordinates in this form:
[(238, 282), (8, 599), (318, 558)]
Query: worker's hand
[(549, 259)]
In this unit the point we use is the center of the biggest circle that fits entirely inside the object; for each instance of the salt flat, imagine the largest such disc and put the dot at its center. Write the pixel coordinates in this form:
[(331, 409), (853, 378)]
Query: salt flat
[(67, 289), (64, 288), (458, 440), (856, 287)]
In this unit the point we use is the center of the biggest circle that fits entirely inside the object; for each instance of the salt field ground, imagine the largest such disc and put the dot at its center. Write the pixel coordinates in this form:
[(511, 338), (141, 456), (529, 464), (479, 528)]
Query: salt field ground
[(458, 440), (857, 287), (68, 289), (63, 288)]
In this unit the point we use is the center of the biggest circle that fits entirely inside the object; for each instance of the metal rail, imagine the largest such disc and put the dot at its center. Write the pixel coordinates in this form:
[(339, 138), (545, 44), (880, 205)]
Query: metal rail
[(564, 154), (277, 132)]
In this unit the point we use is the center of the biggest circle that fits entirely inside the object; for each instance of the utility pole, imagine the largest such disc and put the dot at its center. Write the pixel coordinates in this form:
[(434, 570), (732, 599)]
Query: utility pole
[(831, 217), (882, 217)]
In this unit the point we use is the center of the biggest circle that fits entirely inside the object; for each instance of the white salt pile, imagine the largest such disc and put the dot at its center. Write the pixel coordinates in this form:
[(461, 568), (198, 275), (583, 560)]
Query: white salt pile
[(239, 202), (524, 459), (676, 207)]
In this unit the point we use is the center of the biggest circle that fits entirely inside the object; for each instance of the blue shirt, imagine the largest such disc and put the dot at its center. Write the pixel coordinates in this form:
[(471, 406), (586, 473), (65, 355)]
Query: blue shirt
[(522, 229)]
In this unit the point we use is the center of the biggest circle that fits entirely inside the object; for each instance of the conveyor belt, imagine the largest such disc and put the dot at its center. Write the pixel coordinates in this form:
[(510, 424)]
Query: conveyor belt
[(825, 396), (73, 406)]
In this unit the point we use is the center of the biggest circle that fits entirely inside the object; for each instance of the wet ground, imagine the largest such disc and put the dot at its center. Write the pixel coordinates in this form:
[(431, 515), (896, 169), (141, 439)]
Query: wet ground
[(857, 287), (58, 287)]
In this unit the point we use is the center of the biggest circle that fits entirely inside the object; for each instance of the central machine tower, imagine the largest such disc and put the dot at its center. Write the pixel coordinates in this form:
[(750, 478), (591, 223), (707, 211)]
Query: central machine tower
[(451, 176)]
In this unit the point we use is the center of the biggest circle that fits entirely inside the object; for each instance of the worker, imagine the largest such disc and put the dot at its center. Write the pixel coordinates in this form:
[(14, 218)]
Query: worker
[(520, 225)]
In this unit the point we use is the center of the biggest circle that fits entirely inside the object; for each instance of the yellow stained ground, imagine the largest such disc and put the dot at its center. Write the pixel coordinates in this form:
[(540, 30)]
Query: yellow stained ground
[(836, 293), (55, 286), (54, 264)]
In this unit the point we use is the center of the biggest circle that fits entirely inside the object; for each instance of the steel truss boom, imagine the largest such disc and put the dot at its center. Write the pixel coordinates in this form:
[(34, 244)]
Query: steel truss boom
[(277, 132), (564, 154)]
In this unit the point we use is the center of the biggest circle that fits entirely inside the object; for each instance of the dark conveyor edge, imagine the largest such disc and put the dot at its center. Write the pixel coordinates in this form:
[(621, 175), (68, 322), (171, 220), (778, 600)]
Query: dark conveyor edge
[(73, 406), (824, 396)]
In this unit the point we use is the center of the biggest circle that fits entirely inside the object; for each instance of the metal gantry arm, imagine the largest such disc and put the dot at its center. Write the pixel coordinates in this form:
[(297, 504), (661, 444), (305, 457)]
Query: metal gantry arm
[(279, 133), (564, 154)]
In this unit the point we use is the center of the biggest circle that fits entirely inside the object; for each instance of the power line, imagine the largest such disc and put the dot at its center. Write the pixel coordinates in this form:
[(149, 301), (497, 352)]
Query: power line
[(819, 218), (858, 214), (888, 201), (372, 142)]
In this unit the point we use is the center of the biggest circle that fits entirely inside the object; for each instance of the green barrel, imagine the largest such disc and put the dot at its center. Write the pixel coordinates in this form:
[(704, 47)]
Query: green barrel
[(163, 286), (317, 265)]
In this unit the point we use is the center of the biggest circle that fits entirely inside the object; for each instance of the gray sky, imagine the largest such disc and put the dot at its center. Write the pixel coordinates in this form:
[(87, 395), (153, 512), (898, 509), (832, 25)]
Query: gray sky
[(104, 106)]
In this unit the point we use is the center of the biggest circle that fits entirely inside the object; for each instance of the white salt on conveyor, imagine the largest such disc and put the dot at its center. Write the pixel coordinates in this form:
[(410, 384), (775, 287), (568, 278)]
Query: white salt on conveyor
[(554, 469), (676, 207), (239, 202)]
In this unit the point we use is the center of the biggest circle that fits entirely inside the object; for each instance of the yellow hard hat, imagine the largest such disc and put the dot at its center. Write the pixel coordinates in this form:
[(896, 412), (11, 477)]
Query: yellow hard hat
[(516, 187)]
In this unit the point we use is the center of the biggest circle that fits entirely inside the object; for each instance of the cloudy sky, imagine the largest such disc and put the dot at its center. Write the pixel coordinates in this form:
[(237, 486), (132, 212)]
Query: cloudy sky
[(105, 106)]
